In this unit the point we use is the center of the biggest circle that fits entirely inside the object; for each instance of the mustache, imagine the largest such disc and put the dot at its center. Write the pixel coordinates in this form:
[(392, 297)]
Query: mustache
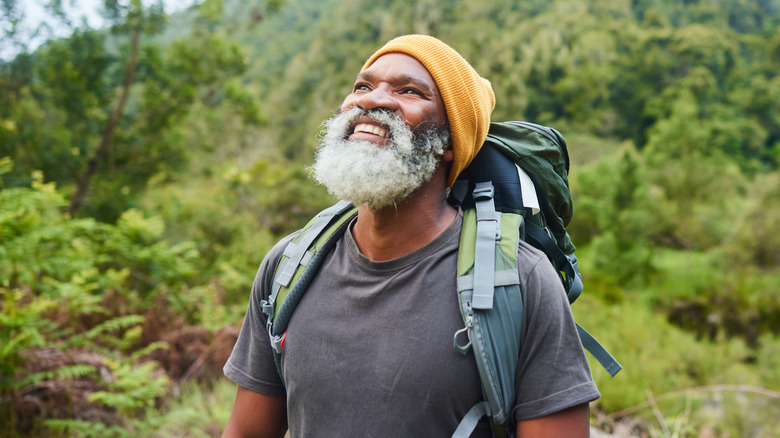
[(344, 121), (339, 127), (383, 116)]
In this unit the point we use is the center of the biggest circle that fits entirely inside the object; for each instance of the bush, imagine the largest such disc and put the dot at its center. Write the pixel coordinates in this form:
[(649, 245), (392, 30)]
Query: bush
[(672, 381), (71, 295)]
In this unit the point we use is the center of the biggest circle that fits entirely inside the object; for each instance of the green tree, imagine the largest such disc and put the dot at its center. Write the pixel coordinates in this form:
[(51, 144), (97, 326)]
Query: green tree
[(612, 198), (699, 184), (101, 115), (753, 239)]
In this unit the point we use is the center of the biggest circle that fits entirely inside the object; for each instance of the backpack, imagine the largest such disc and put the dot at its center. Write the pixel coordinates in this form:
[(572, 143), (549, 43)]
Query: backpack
[(515, 188)]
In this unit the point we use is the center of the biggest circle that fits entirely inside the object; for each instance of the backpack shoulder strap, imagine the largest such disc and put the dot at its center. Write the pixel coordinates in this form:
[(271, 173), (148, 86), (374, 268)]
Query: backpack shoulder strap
[(299, 263), (487, 233), (491, 306)]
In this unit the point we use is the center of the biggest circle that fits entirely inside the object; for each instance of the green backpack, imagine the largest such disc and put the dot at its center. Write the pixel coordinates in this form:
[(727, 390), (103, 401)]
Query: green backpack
[(515, 188)]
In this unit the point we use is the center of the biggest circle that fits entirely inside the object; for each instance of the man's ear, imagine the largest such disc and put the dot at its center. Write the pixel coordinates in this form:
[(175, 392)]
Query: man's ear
[(449, 154)]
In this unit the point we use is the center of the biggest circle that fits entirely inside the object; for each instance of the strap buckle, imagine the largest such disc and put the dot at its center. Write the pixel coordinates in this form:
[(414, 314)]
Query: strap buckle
[(483, 192)]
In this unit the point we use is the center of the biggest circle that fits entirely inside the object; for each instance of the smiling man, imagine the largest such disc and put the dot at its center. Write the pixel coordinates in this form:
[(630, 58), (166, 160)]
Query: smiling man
[(368, 350), (389, 138)]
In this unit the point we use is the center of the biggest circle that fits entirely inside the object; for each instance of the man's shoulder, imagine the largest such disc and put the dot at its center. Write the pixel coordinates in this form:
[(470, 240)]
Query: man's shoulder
[(275, 253), (269, 264), (528, 255), (535, 267)]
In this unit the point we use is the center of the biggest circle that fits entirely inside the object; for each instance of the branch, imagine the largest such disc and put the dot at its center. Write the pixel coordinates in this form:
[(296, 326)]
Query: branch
[(697, 390), (107, 138), (657, 412)]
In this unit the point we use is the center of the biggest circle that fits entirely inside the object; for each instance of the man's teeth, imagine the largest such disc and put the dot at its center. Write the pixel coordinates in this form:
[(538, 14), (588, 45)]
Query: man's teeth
[(371, 129)]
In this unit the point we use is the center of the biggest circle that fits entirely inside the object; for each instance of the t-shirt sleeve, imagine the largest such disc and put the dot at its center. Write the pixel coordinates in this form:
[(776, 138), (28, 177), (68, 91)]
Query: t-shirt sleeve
[(251, 364), (553, 373)]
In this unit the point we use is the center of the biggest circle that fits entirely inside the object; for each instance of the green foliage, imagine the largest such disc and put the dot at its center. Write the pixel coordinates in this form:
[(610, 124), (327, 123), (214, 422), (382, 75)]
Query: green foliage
[(698, 184), (768, 354), (670, 111), (754, 237), (106, 121), (127, 324), (55, 275), (696, 383), (211, 9), (592, 65), (57, 255), (611, 197), (22, 326), (235, 218), (197, 412), (135, 387), (131, 391), (707, 295), (66, 373)]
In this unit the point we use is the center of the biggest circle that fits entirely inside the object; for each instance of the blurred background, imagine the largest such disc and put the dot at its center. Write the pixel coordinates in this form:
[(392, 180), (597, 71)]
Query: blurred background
[(152, 153)]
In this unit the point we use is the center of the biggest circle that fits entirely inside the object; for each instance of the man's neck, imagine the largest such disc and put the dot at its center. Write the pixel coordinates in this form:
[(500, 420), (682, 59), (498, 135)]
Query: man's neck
[(400, 229)]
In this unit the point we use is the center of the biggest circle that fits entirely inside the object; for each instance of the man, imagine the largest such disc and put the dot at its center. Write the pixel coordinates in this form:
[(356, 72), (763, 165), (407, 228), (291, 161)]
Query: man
[(368, 350)]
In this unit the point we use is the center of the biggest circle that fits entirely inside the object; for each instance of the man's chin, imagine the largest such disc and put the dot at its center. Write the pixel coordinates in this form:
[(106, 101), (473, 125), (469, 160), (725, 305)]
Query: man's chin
[(376, 200), (390, 203)]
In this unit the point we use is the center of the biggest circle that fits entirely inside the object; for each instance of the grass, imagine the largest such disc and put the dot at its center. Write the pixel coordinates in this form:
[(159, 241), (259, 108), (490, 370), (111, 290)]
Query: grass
[(195, 411), (673, 384)]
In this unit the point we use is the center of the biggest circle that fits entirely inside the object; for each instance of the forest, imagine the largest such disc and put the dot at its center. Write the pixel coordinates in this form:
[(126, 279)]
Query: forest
[(147, 166)]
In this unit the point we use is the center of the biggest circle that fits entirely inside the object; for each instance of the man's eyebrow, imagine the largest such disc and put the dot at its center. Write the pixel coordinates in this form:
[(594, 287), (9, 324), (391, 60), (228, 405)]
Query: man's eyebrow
[(402, 78)]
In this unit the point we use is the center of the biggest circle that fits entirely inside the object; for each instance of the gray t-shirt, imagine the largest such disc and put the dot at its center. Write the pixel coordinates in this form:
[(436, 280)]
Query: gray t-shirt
[(368, 350)]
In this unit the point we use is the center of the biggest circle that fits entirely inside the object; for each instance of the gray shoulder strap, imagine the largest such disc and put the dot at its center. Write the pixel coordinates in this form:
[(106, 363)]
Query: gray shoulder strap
[(485, 249), (298, 254), (470, 420), (295, 252), (599, 352)]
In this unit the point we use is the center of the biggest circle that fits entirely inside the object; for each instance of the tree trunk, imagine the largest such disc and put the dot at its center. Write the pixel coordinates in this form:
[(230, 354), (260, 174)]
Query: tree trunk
[(107, 138)]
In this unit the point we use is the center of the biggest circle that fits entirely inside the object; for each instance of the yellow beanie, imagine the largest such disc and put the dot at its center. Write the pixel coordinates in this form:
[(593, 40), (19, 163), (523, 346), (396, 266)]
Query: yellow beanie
[(468, 98)]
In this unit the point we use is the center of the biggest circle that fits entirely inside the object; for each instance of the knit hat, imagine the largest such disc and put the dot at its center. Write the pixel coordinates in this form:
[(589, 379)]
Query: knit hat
[(468, 98)]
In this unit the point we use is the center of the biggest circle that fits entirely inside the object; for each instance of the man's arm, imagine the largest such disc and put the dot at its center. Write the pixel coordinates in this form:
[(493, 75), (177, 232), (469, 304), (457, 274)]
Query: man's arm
[(571, 422), (256, 415)]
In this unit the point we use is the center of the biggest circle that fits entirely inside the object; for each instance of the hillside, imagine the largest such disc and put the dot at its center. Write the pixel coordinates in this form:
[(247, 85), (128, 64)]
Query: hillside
[(147, 168)]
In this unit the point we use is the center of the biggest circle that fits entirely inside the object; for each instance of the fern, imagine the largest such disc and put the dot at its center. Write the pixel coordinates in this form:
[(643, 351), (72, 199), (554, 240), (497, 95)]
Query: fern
[(115, 324), (134, 390), (149, 349), (106, 330), (87, 429), (67, 372), (21, 327), (6, 165)]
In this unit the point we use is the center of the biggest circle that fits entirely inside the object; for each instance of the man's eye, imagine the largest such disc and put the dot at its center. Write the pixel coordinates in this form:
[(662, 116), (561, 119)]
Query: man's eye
[(411, 91), (361, 87)]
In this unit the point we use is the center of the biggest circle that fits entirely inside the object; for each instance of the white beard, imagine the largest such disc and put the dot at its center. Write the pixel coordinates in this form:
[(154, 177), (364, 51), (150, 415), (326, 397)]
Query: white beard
[(363, 172)]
